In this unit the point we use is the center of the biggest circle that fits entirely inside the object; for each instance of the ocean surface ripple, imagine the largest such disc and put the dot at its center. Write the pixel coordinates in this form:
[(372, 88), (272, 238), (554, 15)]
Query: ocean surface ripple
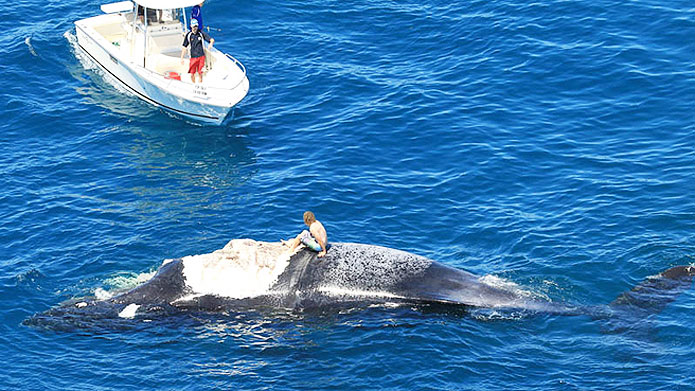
[(547, 144)]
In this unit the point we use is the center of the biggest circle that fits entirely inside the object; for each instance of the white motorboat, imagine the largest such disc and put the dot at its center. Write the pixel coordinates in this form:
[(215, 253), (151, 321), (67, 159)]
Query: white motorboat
[(139, 44)]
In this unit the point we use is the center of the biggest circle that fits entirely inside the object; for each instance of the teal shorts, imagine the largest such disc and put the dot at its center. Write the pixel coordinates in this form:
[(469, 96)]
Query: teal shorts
[(309, 241)]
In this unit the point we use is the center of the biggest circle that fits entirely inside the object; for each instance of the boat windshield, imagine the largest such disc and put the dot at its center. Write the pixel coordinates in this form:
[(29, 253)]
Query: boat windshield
[(155, 16)]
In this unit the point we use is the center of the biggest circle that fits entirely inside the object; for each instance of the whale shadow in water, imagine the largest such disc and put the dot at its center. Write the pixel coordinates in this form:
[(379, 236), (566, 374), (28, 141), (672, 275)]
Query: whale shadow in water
[(250, 276)]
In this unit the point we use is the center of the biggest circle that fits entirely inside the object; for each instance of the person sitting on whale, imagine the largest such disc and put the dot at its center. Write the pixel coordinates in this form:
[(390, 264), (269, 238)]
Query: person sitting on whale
[(316, 238)]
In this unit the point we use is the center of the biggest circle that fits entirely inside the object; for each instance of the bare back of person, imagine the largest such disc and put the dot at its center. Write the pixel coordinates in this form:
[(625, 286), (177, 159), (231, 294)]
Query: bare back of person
[(319, 233)]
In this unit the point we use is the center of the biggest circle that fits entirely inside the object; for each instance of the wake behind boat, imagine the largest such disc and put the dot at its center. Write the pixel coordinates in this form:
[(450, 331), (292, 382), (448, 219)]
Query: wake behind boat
[(139, 44)]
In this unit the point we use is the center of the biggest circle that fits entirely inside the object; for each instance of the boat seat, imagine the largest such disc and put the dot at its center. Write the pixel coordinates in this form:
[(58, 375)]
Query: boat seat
[(109, 29), (169, 43), (162, 63)]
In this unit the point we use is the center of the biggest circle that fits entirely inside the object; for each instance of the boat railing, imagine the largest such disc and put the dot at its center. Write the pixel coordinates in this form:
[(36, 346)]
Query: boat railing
[(240, 65)]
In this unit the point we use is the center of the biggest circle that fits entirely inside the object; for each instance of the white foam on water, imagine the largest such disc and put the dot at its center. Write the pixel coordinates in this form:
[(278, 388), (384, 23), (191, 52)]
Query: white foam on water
[(509, 286), (121, 283), (27, 41), (505, 284), (88, 63), (129, 311), (243, 268), (129, 281), (102, 294)]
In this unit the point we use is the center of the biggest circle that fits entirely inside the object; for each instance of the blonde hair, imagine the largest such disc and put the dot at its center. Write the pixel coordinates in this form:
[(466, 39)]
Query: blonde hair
[(309, 218)]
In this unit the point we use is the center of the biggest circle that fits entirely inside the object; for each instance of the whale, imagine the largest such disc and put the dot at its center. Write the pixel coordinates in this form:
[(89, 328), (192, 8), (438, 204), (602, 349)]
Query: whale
[(253, 275)]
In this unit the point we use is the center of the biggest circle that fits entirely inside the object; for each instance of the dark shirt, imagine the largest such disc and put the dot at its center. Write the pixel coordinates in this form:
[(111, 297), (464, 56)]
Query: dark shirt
[(197, 15), (196, 42)]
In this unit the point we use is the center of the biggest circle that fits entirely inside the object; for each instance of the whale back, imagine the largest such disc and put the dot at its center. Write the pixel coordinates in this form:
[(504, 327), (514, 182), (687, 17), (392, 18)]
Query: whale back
[(360, 272), (166, 286), (349, 272)]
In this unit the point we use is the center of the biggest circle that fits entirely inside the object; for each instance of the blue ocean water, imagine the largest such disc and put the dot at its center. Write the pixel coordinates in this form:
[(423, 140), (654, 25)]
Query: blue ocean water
[(546, 144)]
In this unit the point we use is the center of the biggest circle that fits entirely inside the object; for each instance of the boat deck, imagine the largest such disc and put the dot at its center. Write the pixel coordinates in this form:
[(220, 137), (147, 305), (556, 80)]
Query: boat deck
[(163, 50)]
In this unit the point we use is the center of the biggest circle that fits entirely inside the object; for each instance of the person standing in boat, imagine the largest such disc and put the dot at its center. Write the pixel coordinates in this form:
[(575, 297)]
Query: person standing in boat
[(195, 38), (197, 14)]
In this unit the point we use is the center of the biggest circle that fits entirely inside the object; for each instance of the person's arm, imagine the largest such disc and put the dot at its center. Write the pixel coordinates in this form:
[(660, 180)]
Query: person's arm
[(322, 253), (183, 48), (319, 233), (208, 38)]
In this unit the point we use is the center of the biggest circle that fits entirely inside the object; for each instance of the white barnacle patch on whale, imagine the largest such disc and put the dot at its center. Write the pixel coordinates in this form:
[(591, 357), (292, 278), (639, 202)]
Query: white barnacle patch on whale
[(339, 291), (243, 268), (129, 311)]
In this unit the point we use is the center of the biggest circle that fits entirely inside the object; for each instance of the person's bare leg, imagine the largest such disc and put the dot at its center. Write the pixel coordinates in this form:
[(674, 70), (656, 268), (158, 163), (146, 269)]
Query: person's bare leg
[(295, 242), (200, 75), (193, 78)]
